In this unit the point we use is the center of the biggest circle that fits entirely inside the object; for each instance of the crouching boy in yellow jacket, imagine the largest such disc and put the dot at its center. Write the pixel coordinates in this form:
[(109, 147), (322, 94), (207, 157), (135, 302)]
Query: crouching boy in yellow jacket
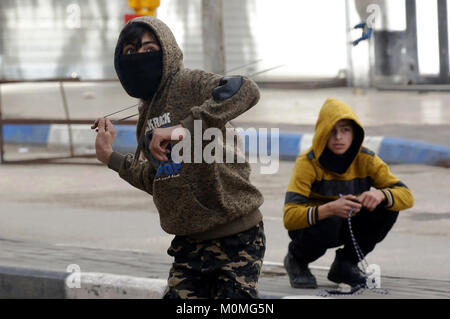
[(335, 175)]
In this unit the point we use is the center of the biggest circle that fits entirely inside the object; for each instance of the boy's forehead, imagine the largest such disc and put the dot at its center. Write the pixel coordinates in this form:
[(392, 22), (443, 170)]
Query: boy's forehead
[(343, 123), (147, 36)]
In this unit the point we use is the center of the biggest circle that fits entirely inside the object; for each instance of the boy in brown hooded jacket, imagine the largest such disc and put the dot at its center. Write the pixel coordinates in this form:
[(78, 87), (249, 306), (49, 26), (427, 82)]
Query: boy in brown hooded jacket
[(212, 209)]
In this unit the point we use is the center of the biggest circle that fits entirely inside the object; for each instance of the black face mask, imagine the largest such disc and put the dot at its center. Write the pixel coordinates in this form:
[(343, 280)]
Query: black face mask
[(141, 73), (338, 163)]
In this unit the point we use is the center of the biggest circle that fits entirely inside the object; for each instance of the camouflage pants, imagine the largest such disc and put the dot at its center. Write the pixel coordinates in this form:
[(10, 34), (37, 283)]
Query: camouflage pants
[(221, 268)]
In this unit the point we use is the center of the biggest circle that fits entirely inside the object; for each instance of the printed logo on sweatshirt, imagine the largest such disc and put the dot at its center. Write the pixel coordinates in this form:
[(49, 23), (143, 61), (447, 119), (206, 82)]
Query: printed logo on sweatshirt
[(158, 121), (165, 169)]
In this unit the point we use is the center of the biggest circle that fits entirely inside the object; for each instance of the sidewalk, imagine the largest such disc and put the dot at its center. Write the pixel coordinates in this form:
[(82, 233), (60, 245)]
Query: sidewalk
[(391, 149), (402, 127), (105, 226)]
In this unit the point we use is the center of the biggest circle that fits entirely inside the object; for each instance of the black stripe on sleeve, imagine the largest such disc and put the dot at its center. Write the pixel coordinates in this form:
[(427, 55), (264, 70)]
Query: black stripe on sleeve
[(398, 184), (295, 198)]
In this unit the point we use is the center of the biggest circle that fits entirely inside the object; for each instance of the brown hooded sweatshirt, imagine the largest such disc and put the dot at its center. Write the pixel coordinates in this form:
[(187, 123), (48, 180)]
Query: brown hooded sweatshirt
[(201, 200)]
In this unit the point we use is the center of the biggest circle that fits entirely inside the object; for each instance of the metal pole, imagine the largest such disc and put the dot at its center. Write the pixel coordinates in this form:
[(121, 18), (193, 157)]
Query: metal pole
[(66, 110), (411, 43), (349, 75), (212, 27), (1, 130), (443, 41)]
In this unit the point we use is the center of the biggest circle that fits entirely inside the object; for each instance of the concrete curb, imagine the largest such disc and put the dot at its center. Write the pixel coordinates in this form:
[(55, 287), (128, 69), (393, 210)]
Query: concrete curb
[(22, 283), (391, 150), (110, 286)]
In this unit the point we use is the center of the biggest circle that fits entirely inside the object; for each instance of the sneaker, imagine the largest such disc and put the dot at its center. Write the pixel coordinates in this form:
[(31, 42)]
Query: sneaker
[(343, 271), (299, 274)]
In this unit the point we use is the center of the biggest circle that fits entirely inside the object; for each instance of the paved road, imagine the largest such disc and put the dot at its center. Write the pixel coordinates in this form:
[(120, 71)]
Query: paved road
[(55, 215)]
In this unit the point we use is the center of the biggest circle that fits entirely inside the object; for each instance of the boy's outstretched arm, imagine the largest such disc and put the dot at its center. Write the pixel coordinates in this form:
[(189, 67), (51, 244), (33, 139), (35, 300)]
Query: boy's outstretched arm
[(224, 98), (105, 139), (140, 176)]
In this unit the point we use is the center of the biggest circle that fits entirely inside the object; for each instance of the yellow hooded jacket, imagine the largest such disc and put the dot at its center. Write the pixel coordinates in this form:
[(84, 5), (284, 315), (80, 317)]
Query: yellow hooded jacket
[(312, 185)]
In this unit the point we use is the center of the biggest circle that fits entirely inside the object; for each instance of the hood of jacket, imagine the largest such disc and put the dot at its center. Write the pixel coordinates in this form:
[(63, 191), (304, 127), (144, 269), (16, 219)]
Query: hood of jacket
[(332, 112), (172, 56), (172, 63)]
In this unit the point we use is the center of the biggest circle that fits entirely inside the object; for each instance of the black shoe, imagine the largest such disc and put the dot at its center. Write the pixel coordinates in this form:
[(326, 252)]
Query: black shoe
[(343, 271), (299, 274)]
